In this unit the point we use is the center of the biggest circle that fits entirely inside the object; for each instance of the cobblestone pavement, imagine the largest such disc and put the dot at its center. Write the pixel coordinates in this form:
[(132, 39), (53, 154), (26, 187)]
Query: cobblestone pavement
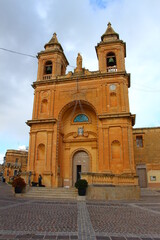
[(23, 218)]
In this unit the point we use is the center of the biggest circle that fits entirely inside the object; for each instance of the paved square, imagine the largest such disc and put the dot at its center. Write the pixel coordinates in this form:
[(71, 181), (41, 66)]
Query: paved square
[(25, 218)]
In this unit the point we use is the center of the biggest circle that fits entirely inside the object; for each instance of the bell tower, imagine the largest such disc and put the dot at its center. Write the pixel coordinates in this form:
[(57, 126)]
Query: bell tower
[(116, 119), (51, 62), (111, 52)]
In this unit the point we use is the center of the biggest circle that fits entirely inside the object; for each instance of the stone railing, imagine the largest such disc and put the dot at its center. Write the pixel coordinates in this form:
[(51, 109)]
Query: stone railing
[(112, 69), (12, 165), (110, 179), (47, 77)]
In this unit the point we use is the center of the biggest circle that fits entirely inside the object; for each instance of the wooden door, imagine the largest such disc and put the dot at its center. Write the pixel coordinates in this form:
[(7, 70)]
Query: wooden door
[(141, 172)]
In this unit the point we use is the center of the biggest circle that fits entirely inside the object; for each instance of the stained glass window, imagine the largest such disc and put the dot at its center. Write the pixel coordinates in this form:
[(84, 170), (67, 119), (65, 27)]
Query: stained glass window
[(81, 118)]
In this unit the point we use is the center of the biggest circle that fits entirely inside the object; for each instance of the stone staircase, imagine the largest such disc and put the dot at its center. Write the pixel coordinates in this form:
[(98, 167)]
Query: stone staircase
[(51, 193), (146, 192)]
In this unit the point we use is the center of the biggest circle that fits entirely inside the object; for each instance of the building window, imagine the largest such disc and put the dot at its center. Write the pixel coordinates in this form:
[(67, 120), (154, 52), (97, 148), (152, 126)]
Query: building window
[(111, 62), (139, 141), (81, 118), (62, 70), (15, 173), (16, 160), (48, 68), (153, 178)]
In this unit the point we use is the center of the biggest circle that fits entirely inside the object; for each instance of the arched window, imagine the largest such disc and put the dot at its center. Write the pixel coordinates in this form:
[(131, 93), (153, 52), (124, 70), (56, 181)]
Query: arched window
[(48, 68), (41, 152), (81, 118), (62, 70), (44, 106), (116, 149), (111, 62)]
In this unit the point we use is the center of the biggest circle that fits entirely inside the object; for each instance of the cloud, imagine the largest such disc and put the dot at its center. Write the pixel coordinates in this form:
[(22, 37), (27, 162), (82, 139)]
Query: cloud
[(23, 147), (26, 27), (2, 157), (98, 3)]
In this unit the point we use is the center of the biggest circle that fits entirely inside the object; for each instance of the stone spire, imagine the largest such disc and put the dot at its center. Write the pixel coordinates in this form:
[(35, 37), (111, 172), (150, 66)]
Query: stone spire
[(109, 34), (53, 43)]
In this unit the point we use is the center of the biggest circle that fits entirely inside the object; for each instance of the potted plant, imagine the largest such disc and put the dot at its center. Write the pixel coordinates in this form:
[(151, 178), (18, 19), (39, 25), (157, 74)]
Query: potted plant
[(81, 185), (18, 184)]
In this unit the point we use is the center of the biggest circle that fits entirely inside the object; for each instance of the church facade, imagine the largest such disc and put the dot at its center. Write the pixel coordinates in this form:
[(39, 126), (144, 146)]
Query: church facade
[(81, 123)]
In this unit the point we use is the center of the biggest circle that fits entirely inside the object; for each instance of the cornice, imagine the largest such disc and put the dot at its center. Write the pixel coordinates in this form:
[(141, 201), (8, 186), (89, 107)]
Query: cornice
[(40, 121), (51, 52), (82, 77), (118, 115), (111, 43), (80, 140), (142, 130)]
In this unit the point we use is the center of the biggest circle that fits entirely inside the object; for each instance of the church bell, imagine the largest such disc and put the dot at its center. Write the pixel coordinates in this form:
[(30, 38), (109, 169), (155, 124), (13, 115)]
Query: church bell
[(49, 69), (111, 60)]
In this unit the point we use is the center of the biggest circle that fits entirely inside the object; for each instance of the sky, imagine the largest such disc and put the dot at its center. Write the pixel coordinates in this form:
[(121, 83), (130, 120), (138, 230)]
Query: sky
[(25, 27)]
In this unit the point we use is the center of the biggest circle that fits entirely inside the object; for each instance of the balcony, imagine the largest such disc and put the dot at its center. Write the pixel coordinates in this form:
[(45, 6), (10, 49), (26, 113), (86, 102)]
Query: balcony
[(12, 165), (112, 69), (47, 76)]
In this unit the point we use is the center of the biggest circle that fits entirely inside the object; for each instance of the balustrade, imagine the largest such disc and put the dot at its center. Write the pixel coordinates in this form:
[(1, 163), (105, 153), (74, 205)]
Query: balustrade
[(103, 178), (47, 77), (112, 69)]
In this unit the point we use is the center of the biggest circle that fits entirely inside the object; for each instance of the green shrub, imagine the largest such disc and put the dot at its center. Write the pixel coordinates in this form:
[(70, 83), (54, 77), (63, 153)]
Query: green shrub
[(10, 183), (81, 184)]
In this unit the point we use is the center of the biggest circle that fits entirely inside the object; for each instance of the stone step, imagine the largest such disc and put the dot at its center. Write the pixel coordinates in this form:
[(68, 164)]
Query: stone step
[(51, 193), (150, 192), (53, 189), (50, 196)]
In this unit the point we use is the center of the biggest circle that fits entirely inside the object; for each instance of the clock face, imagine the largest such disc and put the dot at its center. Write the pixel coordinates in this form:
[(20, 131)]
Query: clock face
[(112, 87)]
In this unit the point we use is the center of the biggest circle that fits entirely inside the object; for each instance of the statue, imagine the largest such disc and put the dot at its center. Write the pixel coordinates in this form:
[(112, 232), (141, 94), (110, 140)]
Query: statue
[(79, 62)]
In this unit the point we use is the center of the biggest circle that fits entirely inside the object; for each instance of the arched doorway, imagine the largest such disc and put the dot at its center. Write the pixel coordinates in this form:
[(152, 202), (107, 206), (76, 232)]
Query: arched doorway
[(80, 164)]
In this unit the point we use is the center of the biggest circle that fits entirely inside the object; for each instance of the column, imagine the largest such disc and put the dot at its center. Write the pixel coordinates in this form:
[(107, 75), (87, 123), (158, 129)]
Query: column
[(126, 157), (49, 151), (103, 98), (106, 149), (100, 149), (54, 159), (107, 98), (122, 97), (32, 151)]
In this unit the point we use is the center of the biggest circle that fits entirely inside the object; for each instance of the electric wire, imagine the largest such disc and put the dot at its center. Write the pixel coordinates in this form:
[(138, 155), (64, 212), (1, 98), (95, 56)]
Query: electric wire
[(148, 89), (12, 51), (28, 55)]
